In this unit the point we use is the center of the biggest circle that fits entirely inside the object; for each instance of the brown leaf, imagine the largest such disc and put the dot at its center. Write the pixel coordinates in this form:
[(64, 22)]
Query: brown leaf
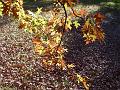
[(14, 11), (6, 8), (99, 17), (21, 25)]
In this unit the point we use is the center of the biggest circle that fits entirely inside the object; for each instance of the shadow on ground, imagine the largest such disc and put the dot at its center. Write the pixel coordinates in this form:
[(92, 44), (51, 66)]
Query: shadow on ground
[(33, 5), (99, 61)]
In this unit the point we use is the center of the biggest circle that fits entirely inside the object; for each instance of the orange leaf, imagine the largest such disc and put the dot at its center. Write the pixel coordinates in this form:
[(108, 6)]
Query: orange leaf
[(83, 12), (36, 40), (60, 50), (62, 63), (70, 2)]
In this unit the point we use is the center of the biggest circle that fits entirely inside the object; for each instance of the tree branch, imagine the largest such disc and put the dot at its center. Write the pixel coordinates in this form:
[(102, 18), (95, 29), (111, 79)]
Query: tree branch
[(65, 12)]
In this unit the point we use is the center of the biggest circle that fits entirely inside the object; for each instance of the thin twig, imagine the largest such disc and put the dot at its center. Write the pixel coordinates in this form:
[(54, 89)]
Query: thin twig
[(73, 11), (63, 26)]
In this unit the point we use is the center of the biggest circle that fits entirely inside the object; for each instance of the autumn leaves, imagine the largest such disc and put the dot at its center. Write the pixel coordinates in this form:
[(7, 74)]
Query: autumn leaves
[(11, 7), (47, 33), (92, 30)]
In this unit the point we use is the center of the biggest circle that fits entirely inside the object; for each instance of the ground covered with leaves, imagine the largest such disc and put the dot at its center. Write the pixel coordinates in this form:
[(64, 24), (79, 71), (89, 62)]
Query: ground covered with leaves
[(99, 61), (21, 68)]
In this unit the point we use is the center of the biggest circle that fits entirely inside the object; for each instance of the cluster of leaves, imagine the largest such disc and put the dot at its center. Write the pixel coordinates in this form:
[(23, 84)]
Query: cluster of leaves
[(11, 7), (92, 30), (47, 33)]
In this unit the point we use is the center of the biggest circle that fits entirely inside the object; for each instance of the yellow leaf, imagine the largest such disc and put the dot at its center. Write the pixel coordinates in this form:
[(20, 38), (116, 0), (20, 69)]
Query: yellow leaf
[(68, 24), (70, 66), (93, 37), (82, 80), (87, 23), (1, 6), (39, 49), (66, 7), (39, 10)]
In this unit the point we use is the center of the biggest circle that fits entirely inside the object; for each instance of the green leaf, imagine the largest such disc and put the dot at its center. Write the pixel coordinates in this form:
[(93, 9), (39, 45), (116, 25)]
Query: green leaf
[(76, 24)]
